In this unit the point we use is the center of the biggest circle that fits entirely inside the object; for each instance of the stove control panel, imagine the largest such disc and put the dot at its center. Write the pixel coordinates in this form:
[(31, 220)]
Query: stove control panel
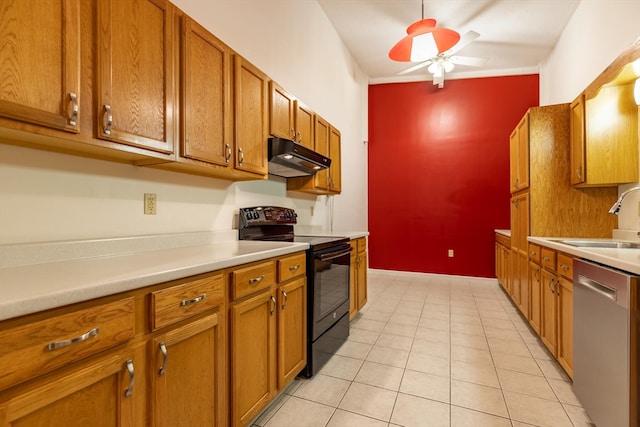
[(267, 215)]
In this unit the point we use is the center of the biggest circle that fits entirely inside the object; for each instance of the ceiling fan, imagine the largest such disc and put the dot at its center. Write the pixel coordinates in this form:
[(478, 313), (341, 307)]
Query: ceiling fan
[(434, 47)]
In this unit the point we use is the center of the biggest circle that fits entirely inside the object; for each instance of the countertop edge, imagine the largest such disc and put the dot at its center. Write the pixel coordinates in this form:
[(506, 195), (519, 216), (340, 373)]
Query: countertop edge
[(622, 259)]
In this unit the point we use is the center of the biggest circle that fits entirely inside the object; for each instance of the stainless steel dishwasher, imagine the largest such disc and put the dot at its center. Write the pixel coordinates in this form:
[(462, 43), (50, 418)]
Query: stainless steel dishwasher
[(605, 341)]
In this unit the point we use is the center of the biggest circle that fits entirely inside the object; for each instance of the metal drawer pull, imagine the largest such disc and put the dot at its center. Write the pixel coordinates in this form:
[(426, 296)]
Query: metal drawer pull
[(74, 109), (132, 378), (299, 137), (107, 126), (294, 267), (293, 134), (256, 280), (83, 337), (565, 267), (284, 303), (533, 253), (546, 258), (274, 304), (241, 156), (192, 301), (165, 358)]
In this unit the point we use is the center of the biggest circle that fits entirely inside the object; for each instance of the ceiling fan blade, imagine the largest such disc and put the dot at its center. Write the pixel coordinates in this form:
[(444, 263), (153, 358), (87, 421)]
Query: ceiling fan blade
[(414, 68), (468, 60), (464, 40)]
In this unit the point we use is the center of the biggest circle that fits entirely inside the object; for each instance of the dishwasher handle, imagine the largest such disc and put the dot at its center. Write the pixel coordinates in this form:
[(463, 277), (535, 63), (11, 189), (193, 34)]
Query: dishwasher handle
[(599, 288)]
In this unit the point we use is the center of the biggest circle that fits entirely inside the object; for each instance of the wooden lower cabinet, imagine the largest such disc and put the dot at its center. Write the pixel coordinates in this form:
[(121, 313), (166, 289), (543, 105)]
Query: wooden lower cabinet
[(548, 330), (268, 334), (186, 366), (565, 318), (292, 331), (358, 276), (99, 393), (535, 282), (253, 356)]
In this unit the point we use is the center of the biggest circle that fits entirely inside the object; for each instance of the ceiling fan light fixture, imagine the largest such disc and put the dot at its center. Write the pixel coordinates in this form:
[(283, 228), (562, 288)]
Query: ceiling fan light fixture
[(423, 47), (448, 66)]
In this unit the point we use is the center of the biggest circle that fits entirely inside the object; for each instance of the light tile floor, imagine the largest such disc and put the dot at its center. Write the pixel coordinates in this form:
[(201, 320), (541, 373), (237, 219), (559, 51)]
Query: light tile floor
[(430, 351)]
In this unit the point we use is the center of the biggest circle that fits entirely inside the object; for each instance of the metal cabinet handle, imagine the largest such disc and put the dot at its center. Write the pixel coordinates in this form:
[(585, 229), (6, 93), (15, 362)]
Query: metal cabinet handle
[(107, 126), (256, 280), (293, 134), (192, 301), (165, 359), (227, 158), (73, 120), (58, 344), (579, 172), (537, 274), (546, 258), (284, 303), (240, 156), (565, 267), (273, 304), (299, 137), (294, 267), (534, 253), (132, 378), (516, 182)]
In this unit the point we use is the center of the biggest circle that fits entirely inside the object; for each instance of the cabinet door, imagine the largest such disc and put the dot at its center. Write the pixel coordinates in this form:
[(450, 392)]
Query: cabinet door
[(40, 62), (577, 134), (514, 142), (251, 117), (565, 327), (281, 106), (362, 280), (135, 76), (102, 393), (253, 350), (187, 375), (321, 145), (523, 153), (304, 120), (535, 285), (292, 330), (335, 173), (548, 330), (523, 271), (206, 106)]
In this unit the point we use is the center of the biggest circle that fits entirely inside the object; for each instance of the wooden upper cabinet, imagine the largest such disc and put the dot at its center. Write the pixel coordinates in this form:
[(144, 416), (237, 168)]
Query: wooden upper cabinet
[(206, 133), (577, 140), (136, 95), (304, 119), (519, 155), (281, 117), (40, 62), (251, 117), (322, 131), (335, 170)]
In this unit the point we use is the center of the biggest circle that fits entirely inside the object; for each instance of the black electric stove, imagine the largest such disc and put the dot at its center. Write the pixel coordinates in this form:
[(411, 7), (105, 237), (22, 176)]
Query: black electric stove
[(328, 264)]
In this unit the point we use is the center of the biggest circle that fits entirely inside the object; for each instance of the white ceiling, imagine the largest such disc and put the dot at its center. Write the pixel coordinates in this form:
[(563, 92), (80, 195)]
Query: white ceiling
[(515, 35)]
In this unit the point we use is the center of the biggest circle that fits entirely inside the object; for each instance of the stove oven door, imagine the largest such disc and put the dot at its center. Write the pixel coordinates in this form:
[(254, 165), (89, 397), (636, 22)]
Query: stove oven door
[(329, 286)]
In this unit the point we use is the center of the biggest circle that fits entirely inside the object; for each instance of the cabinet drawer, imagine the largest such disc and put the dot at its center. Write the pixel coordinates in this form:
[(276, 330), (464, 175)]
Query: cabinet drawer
[(548, 258), (292, 266), (39, 347), (245, 281), (180, 302), (503, 240), (565, 266), (534, 253)]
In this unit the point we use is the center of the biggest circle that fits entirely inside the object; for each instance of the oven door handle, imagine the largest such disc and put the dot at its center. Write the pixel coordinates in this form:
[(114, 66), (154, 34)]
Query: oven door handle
[(326, 256)]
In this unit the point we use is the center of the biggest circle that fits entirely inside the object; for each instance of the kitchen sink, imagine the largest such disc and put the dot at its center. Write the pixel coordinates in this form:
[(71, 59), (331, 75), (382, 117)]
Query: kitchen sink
[(600, 244)]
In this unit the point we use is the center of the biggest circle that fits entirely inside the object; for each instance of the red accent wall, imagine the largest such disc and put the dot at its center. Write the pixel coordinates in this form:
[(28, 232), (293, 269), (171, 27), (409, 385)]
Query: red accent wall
[(439, 171)]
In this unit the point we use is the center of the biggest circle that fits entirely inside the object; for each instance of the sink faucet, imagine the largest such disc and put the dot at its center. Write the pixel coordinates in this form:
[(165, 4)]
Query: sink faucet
[(617, 205)]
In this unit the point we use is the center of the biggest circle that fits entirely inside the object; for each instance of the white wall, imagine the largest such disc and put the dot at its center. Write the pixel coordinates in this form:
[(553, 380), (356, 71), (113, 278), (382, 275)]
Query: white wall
[(597, 33), (47, 196)]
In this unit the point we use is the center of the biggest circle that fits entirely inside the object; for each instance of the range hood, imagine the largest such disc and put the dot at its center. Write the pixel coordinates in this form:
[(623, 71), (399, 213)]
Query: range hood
[(289, 159)]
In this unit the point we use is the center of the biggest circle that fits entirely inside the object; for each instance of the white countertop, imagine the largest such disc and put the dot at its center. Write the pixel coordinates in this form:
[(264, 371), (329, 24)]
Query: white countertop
[(311, 231), (623, 259), (506, 232), (53, 280)]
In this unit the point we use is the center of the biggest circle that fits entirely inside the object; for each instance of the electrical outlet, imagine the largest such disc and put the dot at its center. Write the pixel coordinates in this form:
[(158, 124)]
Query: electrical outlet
[(150, 204), (450, 253)]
